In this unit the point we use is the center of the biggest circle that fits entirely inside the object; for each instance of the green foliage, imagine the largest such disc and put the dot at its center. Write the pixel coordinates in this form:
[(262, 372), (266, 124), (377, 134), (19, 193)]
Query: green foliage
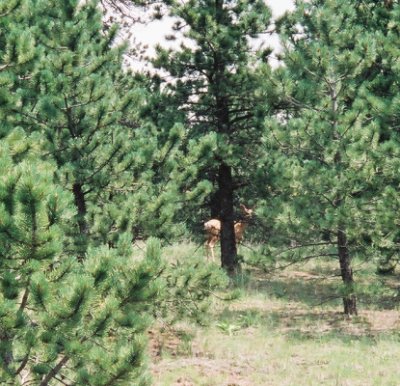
[(216, 96), (93, 157), (327, 147), (86, 106), (62, 139), (18, 52), (188, 288), (55, 310)]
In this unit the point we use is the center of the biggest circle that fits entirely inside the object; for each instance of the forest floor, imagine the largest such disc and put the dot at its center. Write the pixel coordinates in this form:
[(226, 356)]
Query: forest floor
[(287, 328)]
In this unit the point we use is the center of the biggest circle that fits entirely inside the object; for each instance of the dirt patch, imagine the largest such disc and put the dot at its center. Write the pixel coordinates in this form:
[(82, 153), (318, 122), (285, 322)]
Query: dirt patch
[(170, 342), (172, 354), (231, 373), (379, 321)]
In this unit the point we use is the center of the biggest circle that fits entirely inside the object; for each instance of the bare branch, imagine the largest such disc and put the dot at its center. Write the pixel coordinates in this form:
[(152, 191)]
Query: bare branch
[(54, 371)]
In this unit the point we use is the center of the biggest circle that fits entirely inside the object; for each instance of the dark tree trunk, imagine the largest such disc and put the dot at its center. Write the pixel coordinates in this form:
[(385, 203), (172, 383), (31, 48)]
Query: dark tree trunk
[(6, 351), (229, 260), (349, 299), (215, 205), (80, 203)]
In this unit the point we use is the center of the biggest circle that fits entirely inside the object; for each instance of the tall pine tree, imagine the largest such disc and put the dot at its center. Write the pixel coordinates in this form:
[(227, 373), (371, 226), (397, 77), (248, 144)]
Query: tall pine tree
[(82, 101), (383, 105), (61, 321), (328, 138), (212, 89)]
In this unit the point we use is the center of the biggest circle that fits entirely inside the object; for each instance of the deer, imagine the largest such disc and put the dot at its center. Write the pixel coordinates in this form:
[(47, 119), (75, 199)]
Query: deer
[(213, 230)]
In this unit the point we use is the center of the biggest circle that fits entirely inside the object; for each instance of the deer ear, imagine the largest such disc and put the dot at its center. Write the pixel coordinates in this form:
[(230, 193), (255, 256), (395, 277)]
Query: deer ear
[(244, 208)]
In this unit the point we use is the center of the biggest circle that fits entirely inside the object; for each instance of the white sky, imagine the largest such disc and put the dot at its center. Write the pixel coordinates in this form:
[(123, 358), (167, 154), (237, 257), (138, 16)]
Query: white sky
[(154, 32)]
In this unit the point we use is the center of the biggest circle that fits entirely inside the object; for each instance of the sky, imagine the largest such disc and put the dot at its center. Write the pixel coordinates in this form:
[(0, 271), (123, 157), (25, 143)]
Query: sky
[(154, 32)]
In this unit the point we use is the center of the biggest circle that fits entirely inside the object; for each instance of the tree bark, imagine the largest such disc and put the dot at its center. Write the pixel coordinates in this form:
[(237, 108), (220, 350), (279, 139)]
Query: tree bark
[(53, 372), (229, 260), (6, 353), (349, 299), (80, 203), (215, 205)]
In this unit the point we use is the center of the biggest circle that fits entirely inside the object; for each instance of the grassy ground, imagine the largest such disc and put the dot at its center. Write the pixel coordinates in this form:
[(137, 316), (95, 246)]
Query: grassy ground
[(287, 328)]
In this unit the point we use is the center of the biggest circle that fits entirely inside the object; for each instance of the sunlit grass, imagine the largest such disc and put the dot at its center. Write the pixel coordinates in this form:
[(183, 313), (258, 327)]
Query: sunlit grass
[(287, 328)]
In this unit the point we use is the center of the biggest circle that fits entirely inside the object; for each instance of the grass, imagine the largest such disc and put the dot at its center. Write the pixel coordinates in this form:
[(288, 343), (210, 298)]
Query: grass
[(287, 329)]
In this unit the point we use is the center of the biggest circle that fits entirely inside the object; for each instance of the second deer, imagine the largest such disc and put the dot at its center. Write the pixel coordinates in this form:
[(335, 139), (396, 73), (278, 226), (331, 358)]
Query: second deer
[(213, 230)]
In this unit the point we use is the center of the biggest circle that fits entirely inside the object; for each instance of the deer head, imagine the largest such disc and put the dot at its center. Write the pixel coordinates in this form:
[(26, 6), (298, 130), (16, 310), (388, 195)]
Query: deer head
[(247, 212)]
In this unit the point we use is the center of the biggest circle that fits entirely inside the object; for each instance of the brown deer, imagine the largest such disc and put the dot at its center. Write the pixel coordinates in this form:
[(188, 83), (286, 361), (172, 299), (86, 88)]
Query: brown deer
[(213, 230)]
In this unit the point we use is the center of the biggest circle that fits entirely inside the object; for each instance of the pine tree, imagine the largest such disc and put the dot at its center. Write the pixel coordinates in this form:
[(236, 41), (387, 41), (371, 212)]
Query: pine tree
[(83, 102), (328, 138), (382, 100), (18, 51), (65, 320), (213, 92), (60, 319)]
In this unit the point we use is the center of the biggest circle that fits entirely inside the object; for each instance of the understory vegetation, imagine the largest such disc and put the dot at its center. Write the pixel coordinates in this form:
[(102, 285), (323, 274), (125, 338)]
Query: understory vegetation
[(285, 327)]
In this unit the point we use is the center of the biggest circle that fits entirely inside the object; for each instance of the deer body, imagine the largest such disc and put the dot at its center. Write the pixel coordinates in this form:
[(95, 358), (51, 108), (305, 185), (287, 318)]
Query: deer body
[(213, 231)]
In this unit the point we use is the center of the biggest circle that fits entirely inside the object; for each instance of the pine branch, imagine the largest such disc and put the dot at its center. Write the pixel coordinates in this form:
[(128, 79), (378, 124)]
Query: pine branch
[(54, 371), (23, 364), (303, 260), (4, 66), (327, 299), (43, 124), (297, 103), (306, 246), (63, 382), (124, 12), (105, 163), (115, 378), (24, 301), (70, 125)]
